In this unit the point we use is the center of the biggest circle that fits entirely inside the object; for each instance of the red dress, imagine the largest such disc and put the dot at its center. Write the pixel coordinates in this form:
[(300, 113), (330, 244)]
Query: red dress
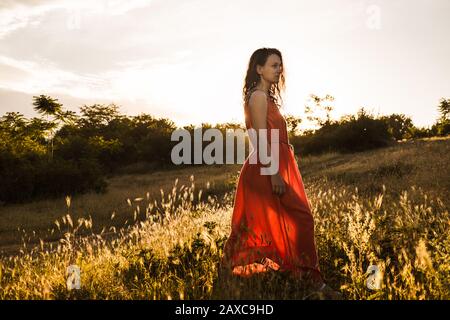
[(269, 231)]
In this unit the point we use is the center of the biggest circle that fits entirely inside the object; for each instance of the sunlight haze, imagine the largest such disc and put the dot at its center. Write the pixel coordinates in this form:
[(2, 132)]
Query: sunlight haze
[(186, 60)]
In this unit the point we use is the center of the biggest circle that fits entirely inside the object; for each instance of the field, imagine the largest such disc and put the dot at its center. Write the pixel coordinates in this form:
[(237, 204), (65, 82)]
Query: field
[(386, 207)]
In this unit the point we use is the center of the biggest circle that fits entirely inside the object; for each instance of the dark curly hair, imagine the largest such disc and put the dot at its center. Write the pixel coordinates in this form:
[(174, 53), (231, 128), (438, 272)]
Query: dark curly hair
[(252, 78)]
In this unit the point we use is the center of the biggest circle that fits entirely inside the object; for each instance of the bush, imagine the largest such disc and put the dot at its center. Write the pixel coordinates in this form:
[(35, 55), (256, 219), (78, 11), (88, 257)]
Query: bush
[(348, 135), (62, 177), (26, 179)]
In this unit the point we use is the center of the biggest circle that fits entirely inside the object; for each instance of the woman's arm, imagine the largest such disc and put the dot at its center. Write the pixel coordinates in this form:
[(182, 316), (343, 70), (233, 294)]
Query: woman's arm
[(258, 116)]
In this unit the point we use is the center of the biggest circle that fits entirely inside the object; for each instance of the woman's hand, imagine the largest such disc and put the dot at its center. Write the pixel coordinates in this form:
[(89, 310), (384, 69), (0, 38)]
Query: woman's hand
[(278, 185)]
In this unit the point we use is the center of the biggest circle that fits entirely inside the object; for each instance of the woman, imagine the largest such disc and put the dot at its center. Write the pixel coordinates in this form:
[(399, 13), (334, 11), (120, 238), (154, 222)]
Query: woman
[(272, 224)]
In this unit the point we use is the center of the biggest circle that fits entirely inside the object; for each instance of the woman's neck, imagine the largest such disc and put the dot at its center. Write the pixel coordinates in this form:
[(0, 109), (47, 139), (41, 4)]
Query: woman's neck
[(264, 86)]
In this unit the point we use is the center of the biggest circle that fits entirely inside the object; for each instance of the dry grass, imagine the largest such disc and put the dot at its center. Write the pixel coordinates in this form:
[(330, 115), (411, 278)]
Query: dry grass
[(381, 214), (423, 163), (39, 216)]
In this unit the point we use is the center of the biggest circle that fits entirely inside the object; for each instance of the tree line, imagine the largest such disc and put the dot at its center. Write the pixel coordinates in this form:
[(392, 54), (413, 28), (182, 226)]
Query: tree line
[(61, 152)]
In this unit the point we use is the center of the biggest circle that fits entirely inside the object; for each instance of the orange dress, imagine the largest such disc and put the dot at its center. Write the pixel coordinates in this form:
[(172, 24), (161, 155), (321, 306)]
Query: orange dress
[(270, 231)]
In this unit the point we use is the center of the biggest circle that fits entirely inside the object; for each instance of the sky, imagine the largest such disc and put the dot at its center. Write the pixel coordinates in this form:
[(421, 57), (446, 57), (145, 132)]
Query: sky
[(186, 60)]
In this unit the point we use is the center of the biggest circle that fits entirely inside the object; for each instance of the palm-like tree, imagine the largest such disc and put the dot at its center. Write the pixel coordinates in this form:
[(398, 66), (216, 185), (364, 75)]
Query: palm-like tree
[(49, 106), (46, 105)]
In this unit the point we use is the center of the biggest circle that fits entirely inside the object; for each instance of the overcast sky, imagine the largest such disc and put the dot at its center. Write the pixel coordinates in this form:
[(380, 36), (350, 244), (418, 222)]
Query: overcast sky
[(185, 60)]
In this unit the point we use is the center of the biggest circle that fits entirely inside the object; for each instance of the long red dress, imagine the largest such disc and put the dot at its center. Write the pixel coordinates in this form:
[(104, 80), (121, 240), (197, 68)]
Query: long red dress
[(271, 231)]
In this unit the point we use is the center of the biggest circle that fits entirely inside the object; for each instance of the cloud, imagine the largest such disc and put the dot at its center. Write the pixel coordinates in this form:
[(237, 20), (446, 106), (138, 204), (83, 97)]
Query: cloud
[(147, 85), (133, 79), (30, 76), (91, 37), (182, 54), (15, 15)]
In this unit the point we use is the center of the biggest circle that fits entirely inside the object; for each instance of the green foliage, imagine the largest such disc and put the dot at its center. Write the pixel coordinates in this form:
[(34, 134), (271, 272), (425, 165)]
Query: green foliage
[(399, 126), (108, 140), (98, 116), (46, 105), (444, 108), (442, 125), (351, 134), (292, 124), (317, 105), (65, 153), (24, 179)]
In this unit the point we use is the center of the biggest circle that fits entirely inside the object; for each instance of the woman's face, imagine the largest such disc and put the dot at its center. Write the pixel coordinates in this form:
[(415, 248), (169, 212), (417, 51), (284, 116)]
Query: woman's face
[(272, 69)]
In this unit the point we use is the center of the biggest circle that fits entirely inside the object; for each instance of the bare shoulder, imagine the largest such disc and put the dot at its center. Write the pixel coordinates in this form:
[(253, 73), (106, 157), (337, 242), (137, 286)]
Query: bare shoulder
[(258, 109), (257, 101)]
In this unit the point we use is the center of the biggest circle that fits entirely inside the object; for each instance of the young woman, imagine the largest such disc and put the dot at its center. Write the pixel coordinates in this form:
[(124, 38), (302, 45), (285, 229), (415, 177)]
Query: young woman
[(272, 224)]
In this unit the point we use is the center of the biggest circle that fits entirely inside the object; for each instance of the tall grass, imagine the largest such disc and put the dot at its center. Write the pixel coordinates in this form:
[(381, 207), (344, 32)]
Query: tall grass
[(39, 216), (173, 249)]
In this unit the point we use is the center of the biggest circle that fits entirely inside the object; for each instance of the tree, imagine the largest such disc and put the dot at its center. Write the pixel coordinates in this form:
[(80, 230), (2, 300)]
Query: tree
[(98, 115), (444, 108), (12, 130), (49, 106), (320, 105), (19, 135), (399, 126), (13, 122), (46, 105), (292, 124), (442, 125)]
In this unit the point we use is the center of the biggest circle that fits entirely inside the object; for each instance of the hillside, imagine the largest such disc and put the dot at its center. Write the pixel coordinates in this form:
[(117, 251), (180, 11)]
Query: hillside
[(423, 163), (387, 207)]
